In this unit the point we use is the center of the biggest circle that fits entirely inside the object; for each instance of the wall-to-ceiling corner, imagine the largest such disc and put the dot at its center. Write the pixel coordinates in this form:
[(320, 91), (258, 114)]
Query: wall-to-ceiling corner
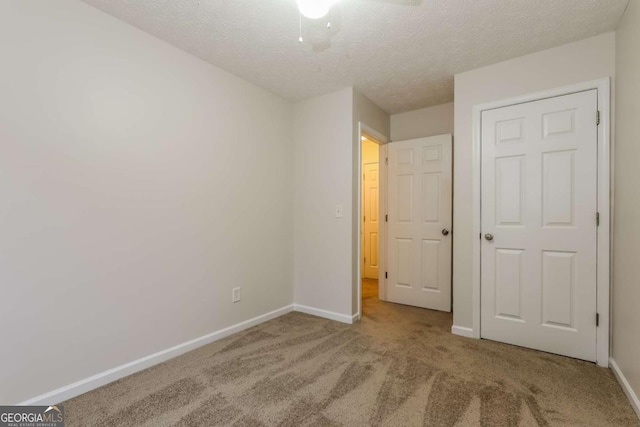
[(322, 137), (368, 113), (626, 231)]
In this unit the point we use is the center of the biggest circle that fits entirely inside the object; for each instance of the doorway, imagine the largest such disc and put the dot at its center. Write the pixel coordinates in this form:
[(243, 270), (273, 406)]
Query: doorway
[(405, 214), (370, 208), (370, 220), (371, 188)]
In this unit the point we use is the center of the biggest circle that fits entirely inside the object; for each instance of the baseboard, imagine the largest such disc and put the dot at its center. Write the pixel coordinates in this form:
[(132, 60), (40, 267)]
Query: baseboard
[(344, 318), (463, 331), (626, 387), (103, 378)]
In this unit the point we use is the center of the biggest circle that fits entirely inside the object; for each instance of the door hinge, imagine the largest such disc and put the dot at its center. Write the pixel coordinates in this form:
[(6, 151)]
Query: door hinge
[(386, 218), (365, 260), (598, 118), (480, 236), (364, 219), (386, 160), (597, 319), (597, 219), (386, 275)]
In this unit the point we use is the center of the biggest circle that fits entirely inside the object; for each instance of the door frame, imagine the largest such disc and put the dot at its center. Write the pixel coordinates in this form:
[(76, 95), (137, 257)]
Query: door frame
[(605, 203), (382, 141)]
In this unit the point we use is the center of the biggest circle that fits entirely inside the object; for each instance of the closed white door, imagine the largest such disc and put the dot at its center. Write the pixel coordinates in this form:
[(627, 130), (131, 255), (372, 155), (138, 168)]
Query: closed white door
[(539, 227), (419, 222), (370, 212)]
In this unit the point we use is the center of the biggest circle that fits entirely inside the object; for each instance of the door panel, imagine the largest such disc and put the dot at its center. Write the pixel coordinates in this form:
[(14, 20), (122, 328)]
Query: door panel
[(509, 190), (508, 289), (558, 282), (370, 191), (558, 191), (431, 197), (539, 202), (419, 174), (404, 255), (404, 198), (430, 254)]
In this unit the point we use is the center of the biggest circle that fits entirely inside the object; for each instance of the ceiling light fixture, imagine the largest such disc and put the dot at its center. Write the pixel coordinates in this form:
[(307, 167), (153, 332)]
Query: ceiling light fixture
[(315, 9)]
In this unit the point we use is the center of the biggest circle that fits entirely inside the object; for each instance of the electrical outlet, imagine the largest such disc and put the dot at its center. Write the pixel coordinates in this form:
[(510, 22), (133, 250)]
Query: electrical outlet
[(235, 295)]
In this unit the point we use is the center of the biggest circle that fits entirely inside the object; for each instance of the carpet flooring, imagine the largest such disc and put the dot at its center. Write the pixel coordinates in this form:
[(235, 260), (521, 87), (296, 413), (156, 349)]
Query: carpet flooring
[(399, 366)]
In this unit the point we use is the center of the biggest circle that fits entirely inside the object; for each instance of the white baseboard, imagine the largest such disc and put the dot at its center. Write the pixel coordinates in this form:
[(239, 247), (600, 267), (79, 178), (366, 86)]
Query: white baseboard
[(344, 318), (98, 380), (626, 387), (463, 331)]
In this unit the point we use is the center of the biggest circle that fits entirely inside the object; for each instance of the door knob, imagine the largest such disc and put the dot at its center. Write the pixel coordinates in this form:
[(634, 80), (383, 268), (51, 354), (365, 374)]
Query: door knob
[(445, 231), (488, 236)]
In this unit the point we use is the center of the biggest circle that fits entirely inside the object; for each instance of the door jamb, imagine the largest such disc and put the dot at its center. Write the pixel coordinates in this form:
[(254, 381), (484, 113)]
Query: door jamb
[(381, 140), (605, 202)]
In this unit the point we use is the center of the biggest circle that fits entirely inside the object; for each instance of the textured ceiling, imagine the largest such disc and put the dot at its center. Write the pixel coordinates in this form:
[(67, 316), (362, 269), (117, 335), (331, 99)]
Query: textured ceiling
[(400, 53)]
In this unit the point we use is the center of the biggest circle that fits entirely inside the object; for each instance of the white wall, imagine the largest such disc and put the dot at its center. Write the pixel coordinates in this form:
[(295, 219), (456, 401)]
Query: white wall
[(626, 268), (586, 60), (138, 186), (365, 111), (326, 144), (430, 121), (322, 135)]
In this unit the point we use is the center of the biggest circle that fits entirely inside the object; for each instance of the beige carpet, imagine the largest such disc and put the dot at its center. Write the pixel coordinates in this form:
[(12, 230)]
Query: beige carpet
[(400, 366)]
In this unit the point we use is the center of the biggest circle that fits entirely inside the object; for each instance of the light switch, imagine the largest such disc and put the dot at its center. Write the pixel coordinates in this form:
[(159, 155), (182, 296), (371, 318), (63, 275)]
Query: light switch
[(338, 211)]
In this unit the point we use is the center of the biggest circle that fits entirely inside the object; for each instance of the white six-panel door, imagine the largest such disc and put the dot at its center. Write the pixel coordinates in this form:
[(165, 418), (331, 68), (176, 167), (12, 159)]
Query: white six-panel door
[(370, 214), (419, 222), (538, 220)]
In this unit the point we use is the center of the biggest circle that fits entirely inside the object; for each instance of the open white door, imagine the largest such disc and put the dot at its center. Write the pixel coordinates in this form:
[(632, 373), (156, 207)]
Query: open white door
[(539, 227), (419, 222)]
